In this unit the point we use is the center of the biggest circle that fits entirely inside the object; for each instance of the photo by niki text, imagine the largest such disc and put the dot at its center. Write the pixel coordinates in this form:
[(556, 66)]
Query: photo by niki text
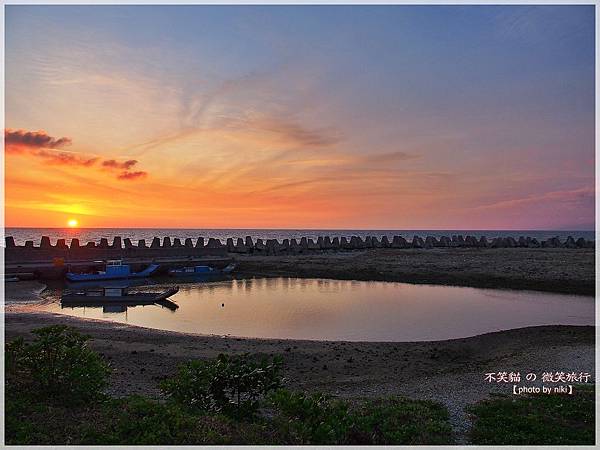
[(547, 382)]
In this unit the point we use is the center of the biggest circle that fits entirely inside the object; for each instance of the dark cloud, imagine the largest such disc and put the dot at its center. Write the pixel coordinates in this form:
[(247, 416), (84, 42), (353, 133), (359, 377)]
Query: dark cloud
[(132, 175), (33, 139), (114, 164)]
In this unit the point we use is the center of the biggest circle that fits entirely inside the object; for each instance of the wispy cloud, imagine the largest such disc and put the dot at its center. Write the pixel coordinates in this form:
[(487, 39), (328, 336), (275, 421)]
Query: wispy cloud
[(291, 132), (390, 157), (60, 158), (584, 195), (132, 175)]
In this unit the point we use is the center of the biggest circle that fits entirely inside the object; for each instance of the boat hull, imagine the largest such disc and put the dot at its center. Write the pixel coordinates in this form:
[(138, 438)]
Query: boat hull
[(74, 303), (148, 271), (201, 271), (137, 298)]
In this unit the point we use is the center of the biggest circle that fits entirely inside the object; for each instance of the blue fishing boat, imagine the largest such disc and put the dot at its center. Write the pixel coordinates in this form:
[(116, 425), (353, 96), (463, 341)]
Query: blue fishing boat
[(115, 270), (200, 271)]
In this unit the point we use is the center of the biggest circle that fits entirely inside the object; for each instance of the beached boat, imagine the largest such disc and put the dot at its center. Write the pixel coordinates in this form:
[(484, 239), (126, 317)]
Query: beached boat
[(200, 271), (117, 296), (115, 269)]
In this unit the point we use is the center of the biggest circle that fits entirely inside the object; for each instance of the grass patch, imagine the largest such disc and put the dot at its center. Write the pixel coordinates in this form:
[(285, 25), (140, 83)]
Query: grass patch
[(543, 419), (129, 421), (295, 418)]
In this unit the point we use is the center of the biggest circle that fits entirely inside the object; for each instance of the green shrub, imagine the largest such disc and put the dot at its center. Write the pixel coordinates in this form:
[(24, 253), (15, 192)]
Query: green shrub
[(400, 421), (140, 421), (58, 364), (125, 421), (230, 385), (16, 373), (541, 419), (303, 418), (317, 419)]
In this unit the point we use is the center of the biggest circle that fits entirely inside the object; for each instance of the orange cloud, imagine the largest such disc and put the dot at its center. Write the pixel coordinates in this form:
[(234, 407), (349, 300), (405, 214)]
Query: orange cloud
[(41, 145), (64, 159), (111, 163), (132, 175)]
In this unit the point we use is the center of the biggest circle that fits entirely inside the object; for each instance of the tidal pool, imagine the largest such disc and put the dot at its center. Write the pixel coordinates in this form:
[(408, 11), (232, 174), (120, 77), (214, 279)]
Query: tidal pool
[(320, 309)]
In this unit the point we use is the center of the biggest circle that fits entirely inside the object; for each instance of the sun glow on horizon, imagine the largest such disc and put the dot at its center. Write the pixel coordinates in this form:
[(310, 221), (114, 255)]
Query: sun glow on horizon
[(72, 223)]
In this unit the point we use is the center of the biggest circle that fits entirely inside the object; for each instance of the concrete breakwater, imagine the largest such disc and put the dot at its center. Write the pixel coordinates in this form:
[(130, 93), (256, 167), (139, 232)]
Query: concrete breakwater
[(200, 247)]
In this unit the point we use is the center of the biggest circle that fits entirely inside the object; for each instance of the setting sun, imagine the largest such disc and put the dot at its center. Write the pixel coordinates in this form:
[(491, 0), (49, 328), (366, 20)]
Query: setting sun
[(72, 223)]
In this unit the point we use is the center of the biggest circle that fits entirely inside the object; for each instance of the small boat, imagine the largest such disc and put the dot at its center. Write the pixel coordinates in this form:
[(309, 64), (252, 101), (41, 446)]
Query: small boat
[(195, 270), (115, 269), (200, 271), (118, 296)]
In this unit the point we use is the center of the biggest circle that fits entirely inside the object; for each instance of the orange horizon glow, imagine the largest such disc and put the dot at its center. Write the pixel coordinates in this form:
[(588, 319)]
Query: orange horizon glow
[(313, 185)]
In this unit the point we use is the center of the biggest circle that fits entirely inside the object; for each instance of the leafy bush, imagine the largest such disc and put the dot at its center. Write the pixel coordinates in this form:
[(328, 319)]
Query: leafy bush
[(140, 421), (132, 420), (318, 419), (542, 419), (303, 418), (230, 385), (58, 364), (16, 373)]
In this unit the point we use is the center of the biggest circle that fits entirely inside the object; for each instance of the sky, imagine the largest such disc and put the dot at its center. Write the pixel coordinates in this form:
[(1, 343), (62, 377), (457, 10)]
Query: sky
[(330, 117)]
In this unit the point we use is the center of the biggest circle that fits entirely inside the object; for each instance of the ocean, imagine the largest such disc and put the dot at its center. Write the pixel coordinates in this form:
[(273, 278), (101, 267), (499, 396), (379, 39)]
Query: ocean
[(95, 234)]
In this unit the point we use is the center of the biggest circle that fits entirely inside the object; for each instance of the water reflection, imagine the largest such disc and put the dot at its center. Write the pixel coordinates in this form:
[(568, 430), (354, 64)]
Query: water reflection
[(345, 310), (114, 308), (111, 307)]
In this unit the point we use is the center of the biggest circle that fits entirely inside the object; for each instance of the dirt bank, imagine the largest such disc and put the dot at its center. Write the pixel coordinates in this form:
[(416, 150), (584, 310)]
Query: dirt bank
[(569, 271)]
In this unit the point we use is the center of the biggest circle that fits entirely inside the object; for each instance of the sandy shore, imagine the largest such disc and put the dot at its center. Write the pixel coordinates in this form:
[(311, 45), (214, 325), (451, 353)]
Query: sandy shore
[(569, 271)]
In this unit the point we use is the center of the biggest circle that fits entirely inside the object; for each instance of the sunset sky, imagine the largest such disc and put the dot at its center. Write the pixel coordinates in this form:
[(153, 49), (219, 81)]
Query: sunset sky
[(393, 117)]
